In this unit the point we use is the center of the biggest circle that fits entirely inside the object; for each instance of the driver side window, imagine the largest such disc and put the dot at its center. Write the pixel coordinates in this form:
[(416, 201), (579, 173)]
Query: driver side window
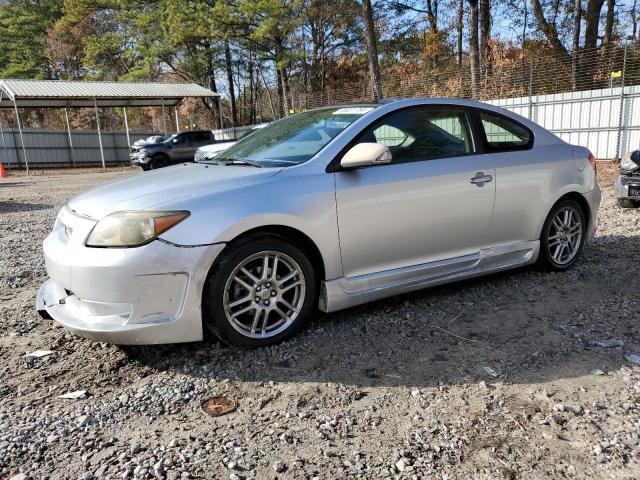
[(422, 133)]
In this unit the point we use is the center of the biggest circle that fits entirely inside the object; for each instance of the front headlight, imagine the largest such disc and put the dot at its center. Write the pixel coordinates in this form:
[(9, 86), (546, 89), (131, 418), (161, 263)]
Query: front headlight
[(133, 228), (630, 160)]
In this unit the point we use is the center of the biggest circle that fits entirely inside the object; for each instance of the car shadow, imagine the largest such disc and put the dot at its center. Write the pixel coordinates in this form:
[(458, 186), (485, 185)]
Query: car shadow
[(526, 325), (12, 207)]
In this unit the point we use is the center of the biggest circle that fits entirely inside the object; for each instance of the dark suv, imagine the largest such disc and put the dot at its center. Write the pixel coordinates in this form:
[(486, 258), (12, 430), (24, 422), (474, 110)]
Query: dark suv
[(169, 150)]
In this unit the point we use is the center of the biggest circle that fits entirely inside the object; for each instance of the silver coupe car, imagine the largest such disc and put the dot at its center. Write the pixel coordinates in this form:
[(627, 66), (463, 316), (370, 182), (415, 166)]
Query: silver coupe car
[(326, 209)]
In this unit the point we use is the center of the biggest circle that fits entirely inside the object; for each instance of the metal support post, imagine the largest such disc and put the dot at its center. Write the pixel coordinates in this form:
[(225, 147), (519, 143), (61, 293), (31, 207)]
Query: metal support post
[(126, 128), (72, 155), (175, 111), (621, 113), (4, 142), (164, 119), (24, 150), (95, 105)]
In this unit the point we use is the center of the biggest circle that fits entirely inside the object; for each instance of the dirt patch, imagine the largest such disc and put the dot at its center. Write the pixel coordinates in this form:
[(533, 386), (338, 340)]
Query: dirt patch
[(393, 389)]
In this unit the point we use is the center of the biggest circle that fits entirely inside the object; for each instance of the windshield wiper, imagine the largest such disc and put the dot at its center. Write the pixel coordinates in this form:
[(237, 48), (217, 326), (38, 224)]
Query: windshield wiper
[(237, 161)]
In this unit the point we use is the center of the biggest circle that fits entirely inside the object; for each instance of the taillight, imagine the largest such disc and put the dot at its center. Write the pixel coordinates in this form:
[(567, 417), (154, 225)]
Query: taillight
[(592, 161)]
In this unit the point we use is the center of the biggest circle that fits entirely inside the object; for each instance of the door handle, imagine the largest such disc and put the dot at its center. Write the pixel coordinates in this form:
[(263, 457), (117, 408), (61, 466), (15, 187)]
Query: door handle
[(480, 179)]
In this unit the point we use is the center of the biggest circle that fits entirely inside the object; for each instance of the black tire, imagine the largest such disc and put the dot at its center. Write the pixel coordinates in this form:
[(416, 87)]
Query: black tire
[(159, 160), (546, 259), (628, 203), (213, 310)]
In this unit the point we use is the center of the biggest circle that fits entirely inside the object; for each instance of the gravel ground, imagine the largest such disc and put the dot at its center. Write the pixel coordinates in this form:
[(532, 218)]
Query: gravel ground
[(394, 389)]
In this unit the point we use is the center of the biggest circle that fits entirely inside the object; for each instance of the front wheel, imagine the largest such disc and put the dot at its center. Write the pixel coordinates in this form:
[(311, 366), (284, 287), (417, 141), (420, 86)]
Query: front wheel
[(259, 292), (158, 161), (563, 235)]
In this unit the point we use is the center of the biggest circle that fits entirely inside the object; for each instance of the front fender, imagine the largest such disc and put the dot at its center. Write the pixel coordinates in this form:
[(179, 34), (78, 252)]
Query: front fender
[(299, 198)]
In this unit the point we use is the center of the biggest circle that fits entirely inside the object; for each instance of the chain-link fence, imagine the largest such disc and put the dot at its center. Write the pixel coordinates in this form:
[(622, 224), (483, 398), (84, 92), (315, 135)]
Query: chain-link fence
[(507, 75)]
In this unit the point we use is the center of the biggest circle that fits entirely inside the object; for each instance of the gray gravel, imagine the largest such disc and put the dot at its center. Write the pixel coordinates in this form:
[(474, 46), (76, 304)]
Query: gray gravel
[(394, 389)]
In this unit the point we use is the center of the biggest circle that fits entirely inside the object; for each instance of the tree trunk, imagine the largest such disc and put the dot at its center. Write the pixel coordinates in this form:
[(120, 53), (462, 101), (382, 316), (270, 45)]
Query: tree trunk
[(592, 22), (285, 91), (485, 35), (608, 27), (634, 21), (252, 92), (459, 27), (577, 19), (266, 87), (549, 30), (280, 93), (474, 53), (372, 49), (215, 103), (524, 23), (232, 94)]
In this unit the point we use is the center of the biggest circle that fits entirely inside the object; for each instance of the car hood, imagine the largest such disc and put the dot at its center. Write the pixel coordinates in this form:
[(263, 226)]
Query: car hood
[(216, 147), (171, 185)]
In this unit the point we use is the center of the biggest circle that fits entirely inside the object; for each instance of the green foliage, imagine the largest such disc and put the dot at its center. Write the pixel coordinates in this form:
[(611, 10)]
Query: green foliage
[(23, 30)]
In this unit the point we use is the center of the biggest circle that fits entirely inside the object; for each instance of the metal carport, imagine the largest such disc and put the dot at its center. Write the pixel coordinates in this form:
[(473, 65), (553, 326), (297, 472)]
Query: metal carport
[(66, 94)]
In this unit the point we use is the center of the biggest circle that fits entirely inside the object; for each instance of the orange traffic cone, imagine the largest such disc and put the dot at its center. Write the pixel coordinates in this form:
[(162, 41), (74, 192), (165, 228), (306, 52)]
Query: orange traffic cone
[(2, 172)]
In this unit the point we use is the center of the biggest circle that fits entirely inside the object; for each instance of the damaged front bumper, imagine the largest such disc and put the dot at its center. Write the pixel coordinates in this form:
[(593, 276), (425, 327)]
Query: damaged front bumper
[(144, 295)]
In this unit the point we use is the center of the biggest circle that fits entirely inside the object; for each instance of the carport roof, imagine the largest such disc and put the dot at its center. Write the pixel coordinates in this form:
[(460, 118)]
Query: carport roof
[(63, 93)]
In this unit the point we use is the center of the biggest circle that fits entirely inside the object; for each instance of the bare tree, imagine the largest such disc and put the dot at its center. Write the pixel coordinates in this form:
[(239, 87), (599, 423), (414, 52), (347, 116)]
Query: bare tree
[(459, 27), (608, 27), (634, 21), (232, 94), (549, 29), (577, 20), (485, 34), (372, 49), (474, 53), (592, 23)]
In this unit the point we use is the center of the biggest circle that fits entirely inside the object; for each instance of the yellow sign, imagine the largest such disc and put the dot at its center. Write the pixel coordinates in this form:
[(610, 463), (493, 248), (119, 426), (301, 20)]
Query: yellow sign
[(616, 74)]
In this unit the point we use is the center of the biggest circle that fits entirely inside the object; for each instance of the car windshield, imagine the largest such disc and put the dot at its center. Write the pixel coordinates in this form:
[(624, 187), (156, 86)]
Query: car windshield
[(293, 140), (168, 138)]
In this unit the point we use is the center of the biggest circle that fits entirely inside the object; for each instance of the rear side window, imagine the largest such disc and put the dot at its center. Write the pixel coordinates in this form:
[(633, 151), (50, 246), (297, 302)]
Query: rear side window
[(418, 134), (503, 135)]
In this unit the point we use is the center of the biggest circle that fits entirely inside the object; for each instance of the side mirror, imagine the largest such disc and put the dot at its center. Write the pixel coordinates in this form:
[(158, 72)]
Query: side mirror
[(175, 141), (366, 154)]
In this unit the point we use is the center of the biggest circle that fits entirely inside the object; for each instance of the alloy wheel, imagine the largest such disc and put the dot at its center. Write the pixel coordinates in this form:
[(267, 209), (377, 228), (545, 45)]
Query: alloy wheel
[(565, 235), (264, 294)]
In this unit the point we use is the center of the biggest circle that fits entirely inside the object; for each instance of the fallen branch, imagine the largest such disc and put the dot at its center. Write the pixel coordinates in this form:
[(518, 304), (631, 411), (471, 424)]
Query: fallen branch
[(454, 335)]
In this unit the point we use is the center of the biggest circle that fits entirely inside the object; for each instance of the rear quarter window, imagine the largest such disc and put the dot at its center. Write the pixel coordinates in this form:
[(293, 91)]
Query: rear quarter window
[(503, 135)]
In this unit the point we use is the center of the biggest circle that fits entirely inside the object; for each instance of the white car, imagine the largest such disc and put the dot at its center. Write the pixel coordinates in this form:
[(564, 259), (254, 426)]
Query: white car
[(327, 209), (209, 152)]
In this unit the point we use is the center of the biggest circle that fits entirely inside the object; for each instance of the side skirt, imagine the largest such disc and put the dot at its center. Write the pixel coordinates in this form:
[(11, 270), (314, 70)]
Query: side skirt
[(345, 292)]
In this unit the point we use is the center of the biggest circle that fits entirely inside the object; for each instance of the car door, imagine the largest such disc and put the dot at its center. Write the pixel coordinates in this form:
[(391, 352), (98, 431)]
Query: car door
[(520, 204), (180, 147), (431, 205)]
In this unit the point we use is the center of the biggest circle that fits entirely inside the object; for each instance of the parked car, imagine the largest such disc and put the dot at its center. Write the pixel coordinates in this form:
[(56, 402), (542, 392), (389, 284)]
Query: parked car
[(627, 184), (325, 209), (172, 149), (211, 151)]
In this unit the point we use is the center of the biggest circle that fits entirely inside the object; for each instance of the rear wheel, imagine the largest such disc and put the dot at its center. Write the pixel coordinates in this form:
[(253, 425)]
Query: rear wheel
[(563, 235), (259, 292), (159, 160), (628, 203)]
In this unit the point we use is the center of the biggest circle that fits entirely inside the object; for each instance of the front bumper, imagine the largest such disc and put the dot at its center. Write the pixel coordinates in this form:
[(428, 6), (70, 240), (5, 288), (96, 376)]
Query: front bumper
[(137, 159), (621, 185), (144, 295)]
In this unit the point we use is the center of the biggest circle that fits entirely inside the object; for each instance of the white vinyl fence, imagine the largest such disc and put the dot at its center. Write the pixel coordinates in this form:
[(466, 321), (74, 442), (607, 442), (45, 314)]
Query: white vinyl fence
[(606, 121)]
